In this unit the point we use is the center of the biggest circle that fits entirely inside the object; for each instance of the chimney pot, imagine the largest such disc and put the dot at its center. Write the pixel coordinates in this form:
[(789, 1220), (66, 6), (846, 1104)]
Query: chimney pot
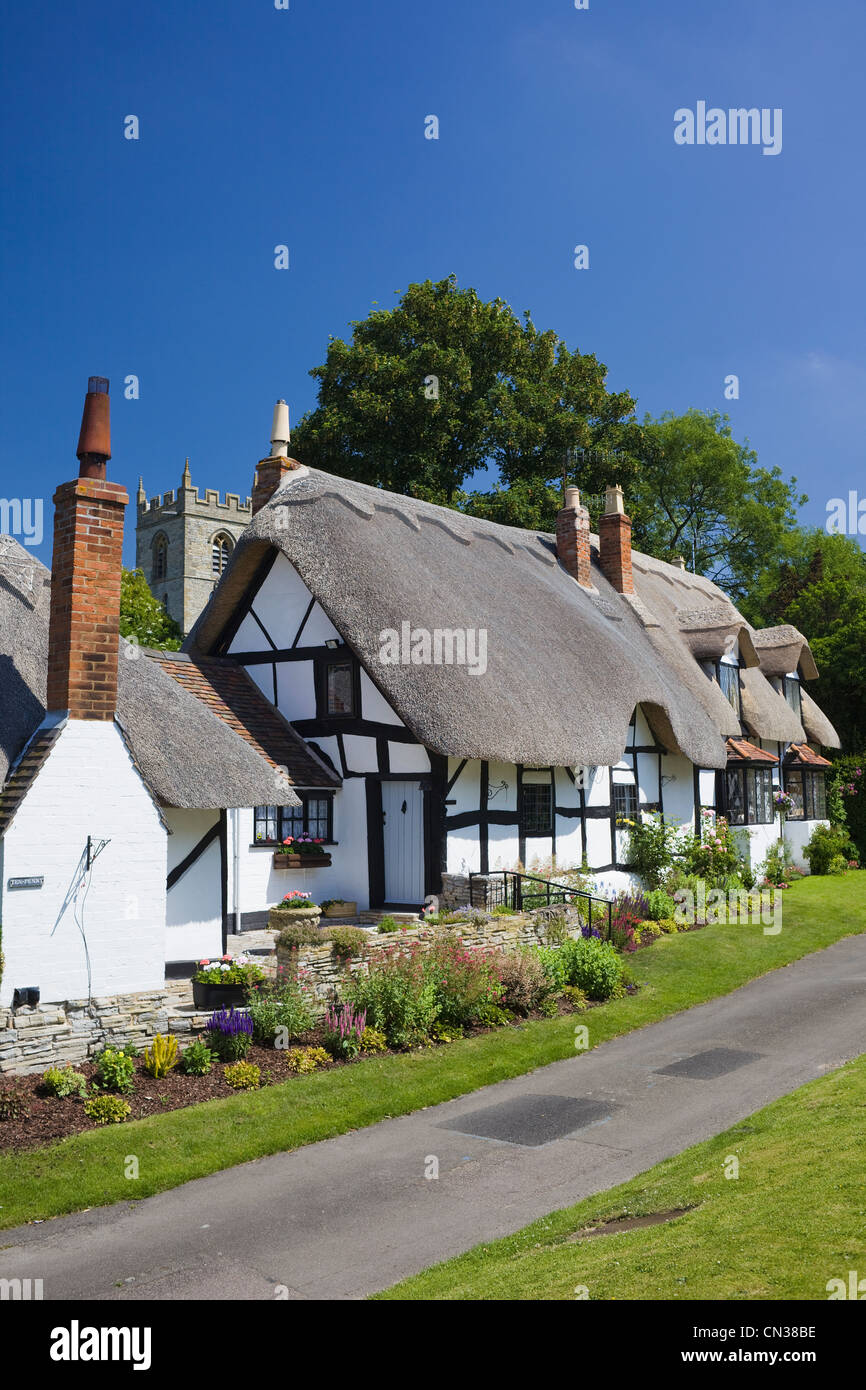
[(94, 440), (614, 542), (271, 471)]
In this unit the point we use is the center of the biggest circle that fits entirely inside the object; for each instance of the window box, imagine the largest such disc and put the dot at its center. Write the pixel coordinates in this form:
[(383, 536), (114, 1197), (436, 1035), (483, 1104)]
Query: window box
[(291, 860)]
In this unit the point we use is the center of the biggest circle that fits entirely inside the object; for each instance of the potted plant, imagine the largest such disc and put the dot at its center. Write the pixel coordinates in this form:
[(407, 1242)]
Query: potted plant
[(339, 907), (301, 852), (219, 983), (296, 907)]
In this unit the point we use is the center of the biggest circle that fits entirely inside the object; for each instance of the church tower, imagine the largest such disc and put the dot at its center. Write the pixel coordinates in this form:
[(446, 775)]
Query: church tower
[(183, 543)]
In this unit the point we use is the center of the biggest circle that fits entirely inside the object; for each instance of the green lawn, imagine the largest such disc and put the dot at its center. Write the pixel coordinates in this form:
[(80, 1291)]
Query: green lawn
[(676, 973), (794, 1218)]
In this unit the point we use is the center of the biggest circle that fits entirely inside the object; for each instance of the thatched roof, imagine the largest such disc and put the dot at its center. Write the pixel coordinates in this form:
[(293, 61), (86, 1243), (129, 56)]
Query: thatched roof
[(565, 667), (815, 722), (782, 650), (188, 756)]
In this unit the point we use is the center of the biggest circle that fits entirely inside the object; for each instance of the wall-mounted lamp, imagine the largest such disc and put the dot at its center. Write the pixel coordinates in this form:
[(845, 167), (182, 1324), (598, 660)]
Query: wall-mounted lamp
[(333, 642)]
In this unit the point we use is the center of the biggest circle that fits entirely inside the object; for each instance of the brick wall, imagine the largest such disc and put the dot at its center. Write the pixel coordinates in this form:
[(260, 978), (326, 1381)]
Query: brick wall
[(85, 598)]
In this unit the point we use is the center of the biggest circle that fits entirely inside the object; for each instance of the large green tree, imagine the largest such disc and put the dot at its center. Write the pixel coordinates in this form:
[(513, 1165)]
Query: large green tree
[(699, 493), (445, 384), (819, 585)]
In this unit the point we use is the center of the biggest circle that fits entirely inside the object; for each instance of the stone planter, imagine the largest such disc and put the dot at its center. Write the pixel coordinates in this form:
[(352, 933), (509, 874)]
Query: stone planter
[(280, 917), (342, 909), (206, 996), (301, 861)]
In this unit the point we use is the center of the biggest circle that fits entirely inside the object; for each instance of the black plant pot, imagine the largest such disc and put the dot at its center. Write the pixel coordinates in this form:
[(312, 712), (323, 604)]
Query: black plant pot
[(218, 996)]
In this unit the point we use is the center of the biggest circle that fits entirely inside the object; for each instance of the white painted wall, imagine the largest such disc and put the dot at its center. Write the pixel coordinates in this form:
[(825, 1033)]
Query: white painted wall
[(193, 918), (88, 786)]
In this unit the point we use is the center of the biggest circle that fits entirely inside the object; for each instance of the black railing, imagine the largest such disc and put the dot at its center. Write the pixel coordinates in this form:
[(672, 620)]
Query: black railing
[(524, 892)]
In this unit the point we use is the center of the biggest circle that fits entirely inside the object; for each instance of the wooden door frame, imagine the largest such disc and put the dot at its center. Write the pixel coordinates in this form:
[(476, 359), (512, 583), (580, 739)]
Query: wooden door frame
[(376, 838)]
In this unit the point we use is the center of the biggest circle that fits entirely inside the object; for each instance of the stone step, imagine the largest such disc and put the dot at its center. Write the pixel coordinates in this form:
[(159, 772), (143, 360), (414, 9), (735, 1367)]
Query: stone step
[(371, 918)]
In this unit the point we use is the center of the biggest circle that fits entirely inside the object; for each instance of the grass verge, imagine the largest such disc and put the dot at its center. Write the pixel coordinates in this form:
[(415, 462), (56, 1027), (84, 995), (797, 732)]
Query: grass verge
[(782, 1229), (676, 973)]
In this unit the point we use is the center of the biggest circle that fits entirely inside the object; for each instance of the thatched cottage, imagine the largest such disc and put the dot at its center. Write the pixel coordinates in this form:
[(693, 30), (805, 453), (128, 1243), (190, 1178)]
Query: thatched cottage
[(425, 693)]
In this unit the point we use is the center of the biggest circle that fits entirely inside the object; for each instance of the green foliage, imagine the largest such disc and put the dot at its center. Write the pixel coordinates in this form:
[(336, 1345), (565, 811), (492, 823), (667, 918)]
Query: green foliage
[(284, 1008), (13, 1102), (348, 942), (594, 966), (399, 996), (715, 857), (509, 397), (659, 904), (143, 619), (777, 863), (297, 934), (115, 1068), (652, 843), (243, 1076), (107, 1110), (389, 923), (554, 963), (64, 1081), (502, 910), (819, 585), (576, 997), (372, 1040), (846, 797), (828, 850), (229, 1047), (161, 1057), (198, 1058), (302, 1060), (700, 494)]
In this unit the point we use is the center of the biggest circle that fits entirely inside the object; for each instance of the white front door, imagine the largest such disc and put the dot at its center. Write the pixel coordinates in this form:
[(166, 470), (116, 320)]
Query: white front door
[(403, 831)]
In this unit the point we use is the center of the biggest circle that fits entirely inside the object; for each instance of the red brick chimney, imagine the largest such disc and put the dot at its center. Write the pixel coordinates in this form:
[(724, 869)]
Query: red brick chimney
[(271, 471), (572, 538), (84, 632), (614, 541)]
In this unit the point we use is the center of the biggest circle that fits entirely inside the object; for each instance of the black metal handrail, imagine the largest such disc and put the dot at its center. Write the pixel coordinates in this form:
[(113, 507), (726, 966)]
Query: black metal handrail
[(508, 891)]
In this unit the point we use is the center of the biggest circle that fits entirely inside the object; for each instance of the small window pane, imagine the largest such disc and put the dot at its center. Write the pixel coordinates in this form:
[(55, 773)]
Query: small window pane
[(265, 823), (317, 817), (291, 821), (537, 808), (765, 810), (794, 788), (729, 680), (735, 797), (625, 800), (820, 796), (792, 694), (339, 688)]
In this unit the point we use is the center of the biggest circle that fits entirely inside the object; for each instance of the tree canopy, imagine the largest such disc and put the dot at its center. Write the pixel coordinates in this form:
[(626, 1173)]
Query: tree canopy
[(143, 619)]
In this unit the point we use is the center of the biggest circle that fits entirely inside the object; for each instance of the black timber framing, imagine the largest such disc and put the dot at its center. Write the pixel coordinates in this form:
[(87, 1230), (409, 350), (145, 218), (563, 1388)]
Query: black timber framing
[(195, 853), (231, 628)]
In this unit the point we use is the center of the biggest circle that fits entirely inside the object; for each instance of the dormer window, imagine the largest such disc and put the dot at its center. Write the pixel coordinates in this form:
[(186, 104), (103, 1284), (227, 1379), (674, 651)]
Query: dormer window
[(729, 684), (791, 691)]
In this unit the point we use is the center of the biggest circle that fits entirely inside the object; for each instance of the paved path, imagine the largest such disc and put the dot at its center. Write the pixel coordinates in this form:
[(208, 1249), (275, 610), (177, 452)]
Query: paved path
[(340, 1219)]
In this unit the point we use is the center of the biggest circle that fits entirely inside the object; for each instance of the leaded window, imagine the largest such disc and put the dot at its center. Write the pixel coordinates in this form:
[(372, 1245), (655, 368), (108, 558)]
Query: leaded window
[(314, 817), (749, 796), (729, 681), (537, 808)]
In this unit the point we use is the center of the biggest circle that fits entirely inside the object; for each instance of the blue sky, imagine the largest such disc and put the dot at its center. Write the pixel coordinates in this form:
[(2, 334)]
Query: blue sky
[(305, 127)]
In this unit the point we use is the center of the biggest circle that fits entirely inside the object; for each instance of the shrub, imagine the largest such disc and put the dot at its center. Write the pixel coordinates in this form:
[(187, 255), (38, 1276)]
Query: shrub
[(294, 902), (198, 1058), (347, 942), (594, 966), (302, 1060), (467, 982), (161, 1057), (398, 996), (669, 925), (647, 931), (553, 962), (525, 983), (115, 1068), (373, 1041), (502, 910), (777, 863), (652, 845), (63, 1081), (466, 916), (230, 1033), (659, 904), (284, 1008), (390, 923), (297, 934), (576, 997), (715, 855), (107, 1110), (243, 1076), (825, 848), (13, 1102), (343, 1030)]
